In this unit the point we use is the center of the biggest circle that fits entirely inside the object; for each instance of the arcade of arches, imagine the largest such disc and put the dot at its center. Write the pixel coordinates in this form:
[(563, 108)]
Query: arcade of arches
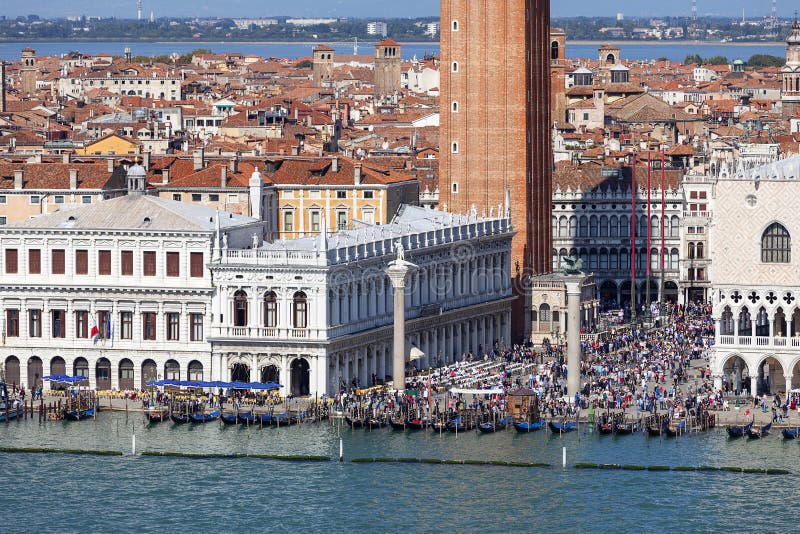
[(756, 373)]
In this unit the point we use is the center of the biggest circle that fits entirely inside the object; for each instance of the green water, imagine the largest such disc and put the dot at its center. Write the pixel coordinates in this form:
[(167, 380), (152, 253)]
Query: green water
[(145, 494)]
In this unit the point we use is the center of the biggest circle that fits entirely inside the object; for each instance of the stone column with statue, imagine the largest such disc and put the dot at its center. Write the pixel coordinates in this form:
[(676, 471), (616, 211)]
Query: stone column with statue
[(397, 272)]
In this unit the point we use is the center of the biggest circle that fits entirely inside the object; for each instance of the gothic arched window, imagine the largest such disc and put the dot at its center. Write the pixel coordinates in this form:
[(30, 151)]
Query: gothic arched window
[(776, 245)]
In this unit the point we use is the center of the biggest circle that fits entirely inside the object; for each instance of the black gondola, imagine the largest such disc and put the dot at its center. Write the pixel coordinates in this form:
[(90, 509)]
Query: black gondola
[(419, 424), (626, 428), (759, 431), (398, 425), (354, 423), (739, 431), (492, 426), (179, 418)]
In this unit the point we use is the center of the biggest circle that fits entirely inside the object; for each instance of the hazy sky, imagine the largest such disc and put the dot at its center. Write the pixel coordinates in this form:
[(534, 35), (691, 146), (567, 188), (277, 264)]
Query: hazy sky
[(369, 8)]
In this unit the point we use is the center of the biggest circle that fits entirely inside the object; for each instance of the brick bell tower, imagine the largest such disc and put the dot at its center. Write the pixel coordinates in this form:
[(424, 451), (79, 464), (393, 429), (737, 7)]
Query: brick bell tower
[(790, 88), (495, 123)]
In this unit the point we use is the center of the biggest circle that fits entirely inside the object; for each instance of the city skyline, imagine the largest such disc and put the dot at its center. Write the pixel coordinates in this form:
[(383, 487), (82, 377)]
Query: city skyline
[(364, 8)]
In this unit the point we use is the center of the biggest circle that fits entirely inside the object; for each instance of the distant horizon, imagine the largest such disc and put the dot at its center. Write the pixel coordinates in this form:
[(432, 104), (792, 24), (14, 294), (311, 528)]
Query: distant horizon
[(359, 9)]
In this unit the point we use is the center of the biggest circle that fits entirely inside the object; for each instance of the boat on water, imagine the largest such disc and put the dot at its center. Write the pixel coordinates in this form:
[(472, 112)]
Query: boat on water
[(79, 415), (676, 428), (9, 409), (457, 424), (202, 417), (417, 424), (354, 422), (626, 428), (494, 426), (372, 423), (739, 430), (563, 426), (157, 414), (398, 424), (790, 433), (286, 419), (656, 425), (229, 418), (247, 418), (759, 431), (525, 426), (179, 418), (606, 423)]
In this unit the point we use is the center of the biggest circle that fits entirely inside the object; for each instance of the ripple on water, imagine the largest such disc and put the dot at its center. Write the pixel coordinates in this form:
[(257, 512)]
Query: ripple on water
[(173, 494)]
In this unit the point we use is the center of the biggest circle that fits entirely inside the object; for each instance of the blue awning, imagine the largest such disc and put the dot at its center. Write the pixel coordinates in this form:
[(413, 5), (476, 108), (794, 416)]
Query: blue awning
[(65, 379)]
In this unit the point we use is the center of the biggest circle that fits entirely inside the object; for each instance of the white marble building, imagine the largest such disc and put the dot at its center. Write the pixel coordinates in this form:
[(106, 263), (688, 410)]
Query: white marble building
[(755, 277), (135, 266), (180, 291), (313, 313)]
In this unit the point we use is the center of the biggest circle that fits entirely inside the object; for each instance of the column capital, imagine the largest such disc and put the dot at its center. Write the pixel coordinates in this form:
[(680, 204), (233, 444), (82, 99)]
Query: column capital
[(397, 272)]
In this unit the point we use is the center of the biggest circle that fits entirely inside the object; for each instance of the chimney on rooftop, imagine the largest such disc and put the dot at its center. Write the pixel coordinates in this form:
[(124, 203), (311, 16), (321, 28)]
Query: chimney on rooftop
[(335, 164), (165, 176), (199, 159), (19, 178), (235, 164), (295, 150), (65, 157), (357, 174), (110, 163), (223, 176), (146, 161), (73, 179)]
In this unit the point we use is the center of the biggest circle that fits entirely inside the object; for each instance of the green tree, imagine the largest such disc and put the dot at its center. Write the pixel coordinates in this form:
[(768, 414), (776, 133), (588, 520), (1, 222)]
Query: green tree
[(765, 60)]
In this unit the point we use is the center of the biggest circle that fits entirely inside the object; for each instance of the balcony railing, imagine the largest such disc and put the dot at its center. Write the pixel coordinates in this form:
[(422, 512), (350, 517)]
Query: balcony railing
[(759, 341), (256, 332)]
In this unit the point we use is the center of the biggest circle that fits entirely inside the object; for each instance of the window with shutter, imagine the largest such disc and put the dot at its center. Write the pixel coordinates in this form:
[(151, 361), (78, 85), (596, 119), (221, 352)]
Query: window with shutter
[(173, 265), (81, 262), (196, 268), (149, 263), (58, 261), (104, 262), (35, 261), (11, 261), (126, 261)]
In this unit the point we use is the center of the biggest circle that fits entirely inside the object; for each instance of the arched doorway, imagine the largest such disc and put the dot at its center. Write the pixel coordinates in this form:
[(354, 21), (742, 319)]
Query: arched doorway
[(80, 367), (195, 371), (126, 375), (270, 373), (300, 377), (735, 375), (671, 292), (172, 370), (625, 295), (149, 372), (770, 377), (608, 295), (103, 374), (240, 372), (12, 370), (58, 367), (35, 369)]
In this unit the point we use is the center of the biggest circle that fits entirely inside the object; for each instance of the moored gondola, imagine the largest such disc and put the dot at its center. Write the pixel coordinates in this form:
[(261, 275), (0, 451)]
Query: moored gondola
[(626, 428), (676, 429), (398, 424), (373, 423), (419, 424), (739, 430), (157, 414), (790, 433), (201, 417), (494, 426), (179, 418), (247, 418), (78, 415), (457, 424), (759, 431), (354, 422), (561, 427), (525, 426), (228, 418)]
